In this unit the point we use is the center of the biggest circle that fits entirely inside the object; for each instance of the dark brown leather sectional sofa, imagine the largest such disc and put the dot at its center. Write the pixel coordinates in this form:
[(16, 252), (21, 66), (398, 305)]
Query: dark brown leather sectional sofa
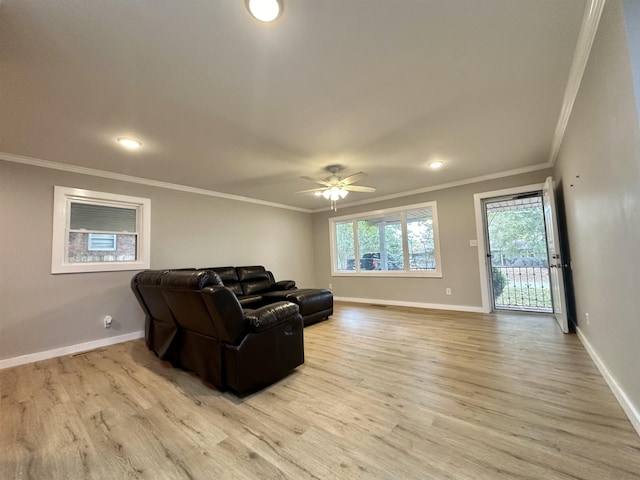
[(256, 286), (240, 335)]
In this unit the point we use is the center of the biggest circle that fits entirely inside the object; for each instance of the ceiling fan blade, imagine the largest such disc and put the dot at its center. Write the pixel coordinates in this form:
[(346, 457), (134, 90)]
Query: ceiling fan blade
[(321, 189), (319, 182), (359, 188), (353, 178)]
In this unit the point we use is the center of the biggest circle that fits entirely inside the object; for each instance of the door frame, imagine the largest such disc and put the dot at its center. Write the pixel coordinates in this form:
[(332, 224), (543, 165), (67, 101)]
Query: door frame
[(481, 237)]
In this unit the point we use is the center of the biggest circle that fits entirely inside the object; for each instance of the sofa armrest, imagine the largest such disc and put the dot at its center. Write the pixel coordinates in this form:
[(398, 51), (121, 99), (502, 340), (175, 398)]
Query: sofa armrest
[(283, 285), (269, 316)]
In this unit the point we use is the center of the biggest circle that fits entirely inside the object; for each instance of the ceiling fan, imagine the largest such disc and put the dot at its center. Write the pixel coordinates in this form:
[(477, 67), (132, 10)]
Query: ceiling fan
[(334, 187)]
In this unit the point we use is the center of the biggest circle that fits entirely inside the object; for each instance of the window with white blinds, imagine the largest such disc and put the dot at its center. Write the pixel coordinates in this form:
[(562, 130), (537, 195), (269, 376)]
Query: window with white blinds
[(97, 231)]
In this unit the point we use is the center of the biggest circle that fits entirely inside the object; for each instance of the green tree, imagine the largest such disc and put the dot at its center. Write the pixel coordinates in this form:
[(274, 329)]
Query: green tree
[(368, 237), (344, 244), (518, 233), (499, 282)]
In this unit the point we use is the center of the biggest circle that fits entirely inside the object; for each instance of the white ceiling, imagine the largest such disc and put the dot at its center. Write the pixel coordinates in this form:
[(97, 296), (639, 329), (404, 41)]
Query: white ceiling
[(225, 103)]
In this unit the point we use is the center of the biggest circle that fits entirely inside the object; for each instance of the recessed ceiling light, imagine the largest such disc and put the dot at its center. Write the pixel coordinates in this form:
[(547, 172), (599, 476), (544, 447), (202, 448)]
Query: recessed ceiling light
[(265, 10), (130, 143), (436, 164)]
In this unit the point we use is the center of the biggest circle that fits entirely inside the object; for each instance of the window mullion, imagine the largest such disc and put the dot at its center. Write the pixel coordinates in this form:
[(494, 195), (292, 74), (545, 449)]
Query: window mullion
[(405, 241), (356, 249)]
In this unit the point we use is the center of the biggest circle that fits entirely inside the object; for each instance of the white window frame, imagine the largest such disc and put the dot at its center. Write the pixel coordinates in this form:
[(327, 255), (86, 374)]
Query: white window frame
[(64, 197), (436, 273)]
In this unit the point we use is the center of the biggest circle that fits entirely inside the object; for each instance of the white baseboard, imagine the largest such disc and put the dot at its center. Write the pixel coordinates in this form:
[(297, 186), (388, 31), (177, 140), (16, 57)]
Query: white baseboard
[(629, 409), (398, 303), (69, 350)]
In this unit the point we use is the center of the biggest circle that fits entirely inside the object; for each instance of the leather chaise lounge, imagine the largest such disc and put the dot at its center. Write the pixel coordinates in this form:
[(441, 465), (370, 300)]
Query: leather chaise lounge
[(198, 324)]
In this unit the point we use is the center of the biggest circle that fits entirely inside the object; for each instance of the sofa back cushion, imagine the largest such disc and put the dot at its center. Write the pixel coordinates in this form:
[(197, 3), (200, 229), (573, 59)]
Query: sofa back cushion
[(229, 277), (254, 279), (181, 290), (146, 286)]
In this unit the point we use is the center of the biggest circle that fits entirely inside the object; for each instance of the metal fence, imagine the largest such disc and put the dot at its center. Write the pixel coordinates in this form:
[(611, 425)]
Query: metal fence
[(522, 288)]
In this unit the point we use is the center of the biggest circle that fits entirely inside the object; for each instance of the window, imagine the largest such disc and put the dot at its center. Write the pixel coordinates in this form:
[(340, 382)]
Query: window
[(95, 231), (105, 242), (393, 242)]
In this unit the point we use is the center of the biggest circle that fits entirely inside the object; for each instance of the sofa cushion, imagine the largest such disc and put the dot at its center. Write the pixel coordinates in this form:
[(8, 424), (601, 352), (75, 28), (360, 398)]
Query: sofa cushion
[(254, 279), (229, 277), (254, 287), (250, 301), (253, 272)]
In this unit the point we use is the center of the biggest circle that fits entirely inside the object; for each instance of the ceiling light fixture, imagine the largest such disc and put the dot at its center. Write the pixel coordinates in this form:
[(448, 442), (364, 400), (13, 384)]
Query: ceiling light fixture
[(130, 143), (265, 10), (334, 194), (335, 188), (436, 164)]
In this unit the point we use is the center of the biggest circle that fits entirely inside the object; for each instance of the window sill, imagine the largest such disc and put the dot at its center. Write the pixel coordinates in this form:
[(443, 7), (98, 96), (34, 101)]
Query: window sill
[(99, 267), (389, 274)]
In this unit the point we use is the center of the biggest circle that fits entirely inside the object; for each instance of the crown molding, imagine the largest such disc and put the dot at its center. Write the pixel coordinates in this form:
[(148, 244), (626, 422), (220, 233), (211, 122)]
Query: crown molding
[(442, 186), (36, 162), (588, 30)]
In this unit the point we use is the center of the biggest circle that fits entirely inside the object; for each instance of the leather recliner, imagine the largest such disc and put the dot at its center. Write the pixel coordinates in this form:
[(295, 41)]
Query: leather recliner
[(226, 345)]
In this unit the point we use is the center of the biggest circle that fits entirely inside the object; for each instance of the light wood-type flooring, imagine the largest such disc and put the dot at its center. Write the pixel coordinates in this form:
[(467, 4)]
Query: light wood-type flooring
[(384, 393)]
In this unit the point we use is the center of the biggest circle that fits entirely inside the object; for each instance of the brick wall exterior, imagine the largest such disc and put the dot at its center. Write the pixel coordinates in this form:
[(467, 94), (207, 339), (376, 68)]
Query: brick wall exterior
[(79, 249)]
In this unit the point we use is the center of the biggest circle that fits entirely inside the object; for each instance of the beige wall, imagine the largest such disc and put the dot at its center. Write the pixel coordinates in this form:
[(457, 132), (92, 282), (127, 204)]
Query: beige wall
[(599, 170), (460, 269), (40, 311)]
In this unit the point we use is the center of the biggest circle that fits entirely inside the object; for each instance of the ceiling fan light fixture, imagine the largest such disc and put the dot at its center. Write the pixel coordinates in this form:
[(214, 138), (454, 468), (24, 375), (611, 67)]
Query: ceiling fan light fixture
[(335, 187), (265, 10)]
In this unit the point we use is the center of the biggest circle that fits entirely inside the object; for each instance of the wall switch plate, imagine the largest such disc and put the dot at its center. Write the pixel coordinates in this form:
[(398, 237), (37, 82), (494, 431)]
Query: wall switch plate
[(447, 291), (586, 315), (473, 243), (330, 286)]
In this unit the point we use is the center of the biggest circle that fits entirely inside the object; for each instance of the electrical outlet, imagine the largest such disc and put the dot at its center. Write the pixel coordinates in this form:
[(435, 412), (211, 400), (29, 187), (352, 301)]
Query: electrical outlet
[(586, 315), (447, 291), (108, 320)]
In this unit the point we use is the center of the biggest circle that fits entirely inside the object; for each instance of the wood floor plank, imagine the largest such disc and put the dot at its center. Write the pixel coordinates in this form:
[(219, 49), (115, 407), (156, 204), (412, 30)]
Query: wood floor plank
[(385, 393)]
